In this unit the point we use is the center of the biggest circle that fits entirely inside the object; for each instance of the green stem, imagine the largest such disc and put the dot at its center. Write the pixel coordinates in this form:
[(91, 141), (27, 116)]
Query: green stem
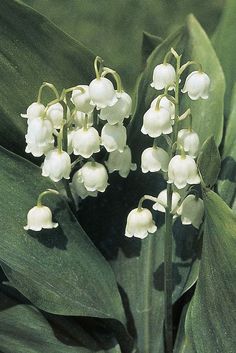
[(116, 76), (98, 70), (49, 85), (146, 197), (40, 197)]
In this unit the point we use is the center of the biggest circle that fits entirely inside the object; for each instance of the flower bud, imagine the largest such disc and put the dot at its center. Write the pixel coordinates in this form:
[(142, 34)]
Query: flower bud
[(40, 217), (163, 76), (102, 93), (161, 203), (165, 103), (56, 165), (139, 223), (94, 176), (55, 115), (35, 110), (82, 100), (156, 122), (191, 211), (79, 188), (197, 85), (119, 111), (182, 170), (113, 137), (121, 161), (190, 141), (153, 159), (85, 142)]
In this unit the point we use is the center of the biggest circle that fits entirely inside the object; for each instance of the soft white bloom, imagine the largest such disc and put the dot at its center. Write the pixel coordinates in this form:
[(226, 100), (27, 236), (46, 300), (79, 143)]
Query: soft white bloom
[(39, 150), (102, 93), (79, 188), (81, 118), (35, 110), (85, 142), (182, 170), (121, 161), (139, 223), (70, 134), (191, 211), (161, 203), (119, 111), (190, 141), (153, 159), (94, 176), (56, 165), (157, 122), (163, 76), (55, 114), (113, 137), (197, 85), (82, 99), (165, 103), (39, 217)]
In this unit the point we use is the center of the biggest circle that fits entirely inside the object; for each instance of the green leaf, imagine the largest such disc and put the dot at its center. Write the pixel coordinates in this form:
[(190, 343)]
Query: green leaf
[(209, 162), (210, 320), (150, 42)]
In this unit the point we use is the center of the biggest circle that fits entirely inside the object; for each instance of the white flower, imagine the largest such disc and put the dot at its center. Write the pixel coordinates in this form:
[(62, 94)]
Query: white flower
[(79, 188), (161, 203), (153, 159), (182, 170), (82, 99), (102, 93), (190, 141), (121, 161), (35, 110), (85, 142), (163, 76), (156, 122), (56, 165), (119, 111), (40, 217), (94, 176), (197, 85), (39, 150), (165, 103), (55, 114), (191, 211), (139, 223), (113, 137), (70, 134), (80, 118)]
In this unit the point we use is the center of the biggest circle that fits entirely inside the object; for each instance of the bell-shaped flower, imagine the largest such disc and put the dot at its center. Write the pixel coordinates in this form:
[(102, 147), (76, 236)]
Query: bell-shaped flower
[(161, 203), (85, 142), (40, 217), (191, 211), (35, 110), (79, 188), (119, 111), (190, 141), (197, 85), (39, 150), (56, 165), (94, 176), (157, 122), (139, 223), (163, 76), (80, 118), (113, 137), (121, 162), (102, 93), (82, 100), (182, 170), (55, 115), (165, 103), (153, 159)]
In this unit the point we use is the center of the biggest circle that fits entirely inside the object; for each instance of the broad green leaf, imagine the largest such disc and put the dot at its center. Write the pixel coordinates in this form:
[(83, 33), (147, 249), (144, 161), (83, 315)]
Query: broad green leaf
[(210, 320), (150, 42), (209, 162), (33, 50)]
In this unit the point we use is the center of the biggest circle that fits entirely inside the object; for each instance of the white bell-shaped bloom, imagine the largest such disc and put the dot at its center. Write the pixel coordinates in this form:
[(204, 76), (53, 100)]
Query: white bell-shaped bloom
[(161, 203), (35, 110), (40, 217), (82, 100), (139, 223), (157, 122), (121, 162), (182, 170), (55, 114), (197, 85), (102, 93), (153, 159), (56, 165), (190, 141), (94, 176), (80, 118), (39, 150), (165, 103), (163, 76), (119, 111), (191, 211), (79, 188), (70, 134), (85, 142), (113, 137)]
